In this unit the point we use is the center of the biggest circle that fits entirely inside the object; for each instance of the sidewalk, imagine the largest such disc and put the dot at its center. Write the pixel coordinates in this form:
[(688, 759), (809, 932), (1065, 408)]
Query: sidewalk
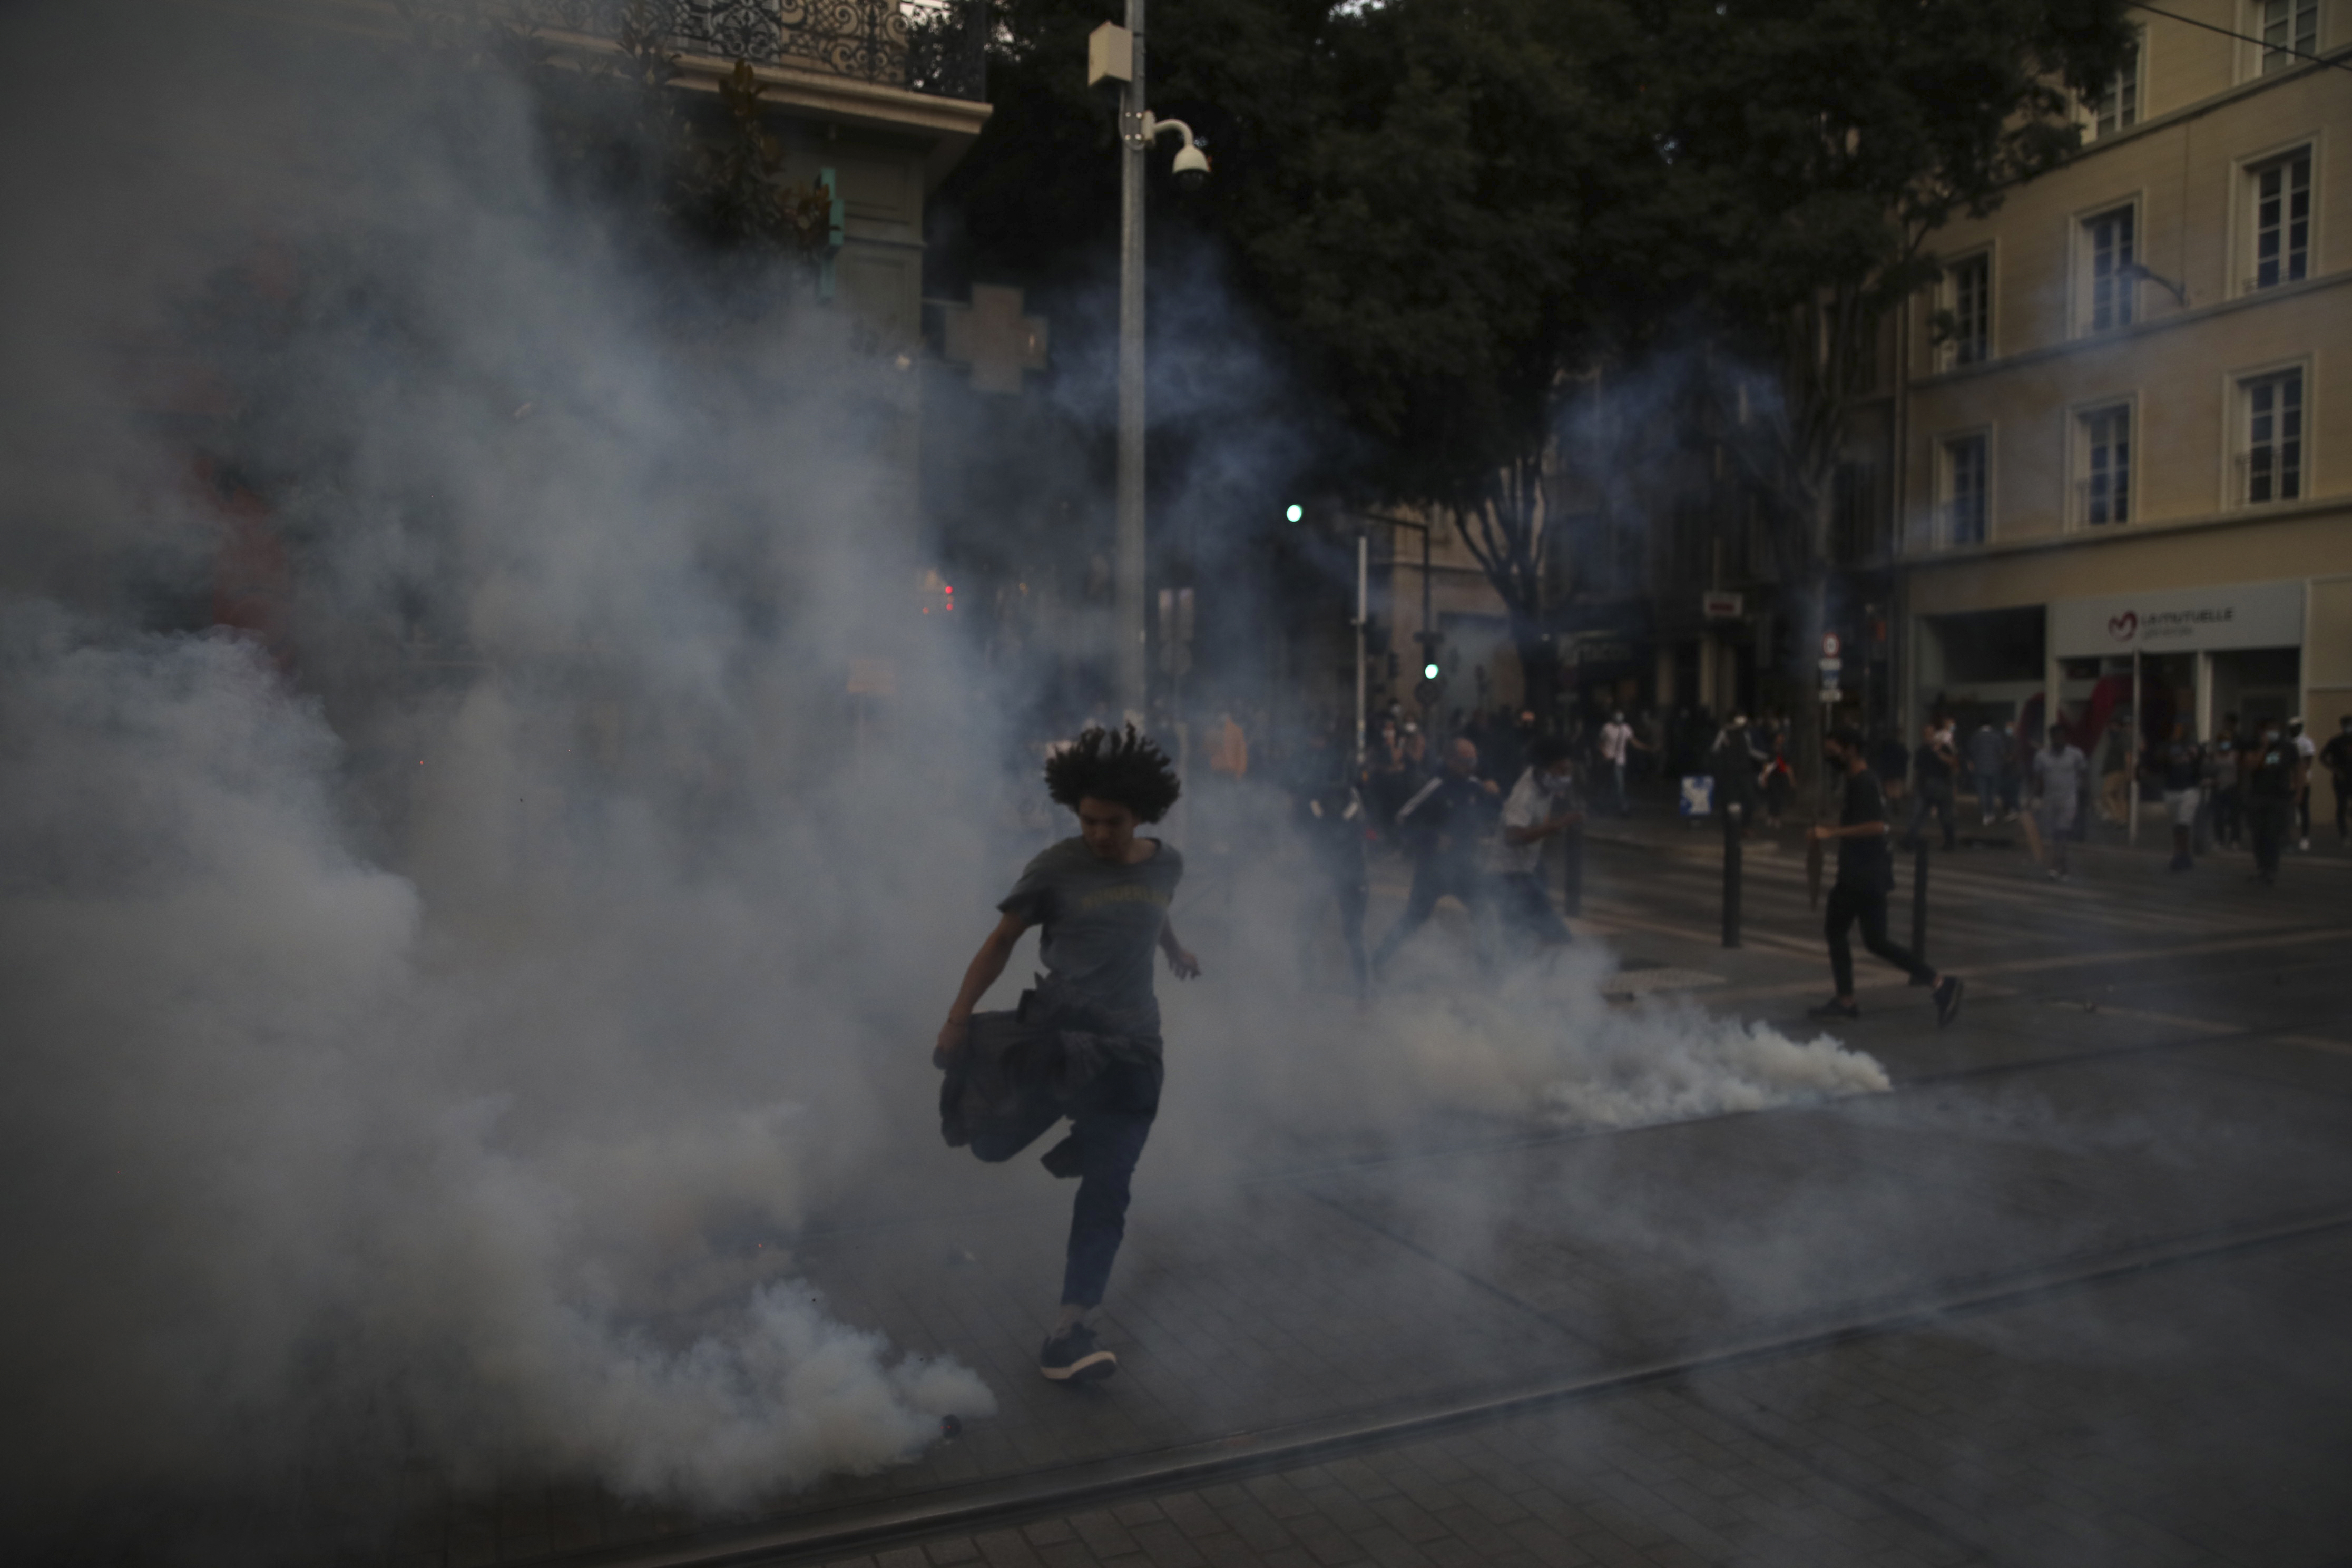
[(1657, 824)]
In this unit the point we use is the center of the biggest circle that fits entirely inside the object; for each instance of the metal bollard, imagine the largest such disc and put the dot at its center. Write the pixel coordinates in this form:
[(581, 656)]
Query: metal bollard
[(1919, 901), (1572, 890), (1731, 876)]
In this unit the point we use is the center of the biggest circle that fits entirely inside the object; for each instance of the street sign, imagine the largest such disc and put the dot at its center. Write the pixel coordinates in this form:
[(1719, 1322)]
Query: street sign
[(1718, 605), (1829, 645), (1829, 667), (1831, 694)]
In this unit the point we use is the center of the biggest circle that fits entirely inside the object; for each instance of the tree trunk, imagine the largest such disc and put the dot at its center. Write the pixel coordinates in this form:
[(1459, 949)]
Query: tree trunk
[(1539, 667)]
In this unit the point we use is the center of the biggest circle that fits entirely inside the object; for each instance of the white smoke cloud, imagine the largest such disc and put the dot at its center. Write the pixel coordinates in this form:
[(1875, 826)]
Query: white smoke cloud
[(414, 1003), (410, 1003)]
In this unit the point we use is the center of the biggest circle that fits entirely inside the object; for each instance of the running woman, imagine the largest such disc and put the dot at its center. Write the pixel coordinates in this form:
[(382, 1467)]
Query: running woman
[(1102, 898)]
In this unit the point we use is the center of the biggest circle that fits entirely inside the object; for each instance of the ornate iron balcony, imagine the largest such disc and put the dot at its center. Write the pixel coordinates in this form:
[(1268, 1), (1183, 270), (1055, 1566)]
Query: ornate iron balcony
[(938, 46)]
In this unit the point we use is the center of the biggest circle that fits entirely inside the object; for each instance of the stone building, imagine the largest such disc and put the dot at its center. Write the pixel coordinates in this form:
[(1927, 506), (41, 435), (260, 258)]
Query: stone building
[(2124, 419)]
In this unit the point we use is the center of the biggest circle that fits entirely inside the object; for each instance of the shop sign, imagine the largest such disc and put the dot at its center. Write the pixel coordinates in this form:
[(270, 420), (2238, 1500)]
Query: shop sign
[(2180, 620)]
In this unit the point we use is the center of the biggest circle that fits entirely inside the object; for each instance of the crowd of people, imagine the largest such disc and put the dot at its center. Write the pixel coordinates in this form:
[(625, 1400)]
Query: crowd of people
[(1472, 810)]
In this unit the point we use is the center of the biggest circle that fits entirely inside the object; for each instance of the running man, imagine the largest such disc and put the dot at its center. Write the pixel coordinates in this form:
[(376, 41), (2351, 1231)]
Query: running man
[(1543, 802), (1866, 875), (1102, 898)]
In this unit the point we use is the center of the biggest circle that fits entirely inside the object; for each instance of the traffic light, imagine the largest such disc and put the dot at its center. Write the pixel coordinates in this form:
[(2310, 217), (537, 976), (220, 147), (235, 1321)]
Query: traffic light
[(1295, 512), (1430, 671)]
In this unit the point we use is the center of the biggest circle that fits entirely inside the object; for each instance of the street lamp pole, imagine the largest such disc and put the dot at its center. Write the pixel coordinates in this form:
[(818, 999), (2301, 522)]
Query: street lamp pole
[(1128, 578)]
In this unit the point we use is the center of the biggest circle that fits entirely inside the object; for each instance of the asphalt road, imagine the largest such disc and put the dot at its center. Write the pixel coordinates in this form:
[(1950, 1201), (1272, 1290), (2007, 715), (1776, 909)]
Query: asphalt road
[(2069, 1292)]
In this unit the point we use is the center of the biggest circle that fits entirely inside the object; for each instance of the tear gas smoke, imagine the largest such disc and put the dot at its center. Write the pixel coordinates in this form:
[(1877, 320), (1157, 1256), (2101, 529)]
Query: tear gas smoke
[(416, 995), (410, 992)]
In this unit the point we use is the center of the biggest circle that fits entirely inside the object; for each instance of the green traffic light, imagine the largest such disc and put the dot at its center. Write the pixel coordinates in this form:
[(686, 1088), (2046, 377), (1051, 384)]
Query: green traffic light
[(1429, 672), (1295, 512)]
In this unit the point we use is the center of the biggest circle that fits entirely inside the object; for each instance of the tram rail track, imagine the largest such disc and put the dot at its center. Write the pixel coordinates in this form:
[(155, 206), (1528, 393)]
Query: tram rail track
[(854, 1529)]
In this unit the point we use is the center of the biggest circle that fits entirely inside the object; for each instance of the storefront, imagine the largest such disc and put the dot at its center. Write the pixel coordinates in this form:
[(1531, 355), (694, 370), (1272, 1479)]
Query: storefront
[(2186, 655)]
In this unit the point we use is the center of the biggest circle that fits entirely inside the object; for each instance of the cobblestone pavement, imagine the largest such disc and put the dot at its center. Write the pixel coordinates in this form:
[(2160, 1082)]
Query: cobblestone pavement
[(2144, 1061)]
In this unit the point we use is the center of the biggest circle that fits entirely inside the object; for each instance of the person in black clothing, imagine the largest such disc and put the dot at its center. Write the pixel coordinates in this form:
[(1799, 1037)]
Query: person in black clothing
[(2274, 772), (1935, 765), (1329, 812), (1737, 771), (1102, 898), (2337, 755), (1447, 823), (1866, 875)]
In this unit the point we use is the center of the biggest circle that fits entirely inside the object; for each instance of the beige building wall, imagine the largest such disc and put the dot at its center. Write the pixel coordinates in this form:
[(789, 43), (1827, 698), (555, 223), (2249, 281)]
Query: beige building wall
[(2201, 327)]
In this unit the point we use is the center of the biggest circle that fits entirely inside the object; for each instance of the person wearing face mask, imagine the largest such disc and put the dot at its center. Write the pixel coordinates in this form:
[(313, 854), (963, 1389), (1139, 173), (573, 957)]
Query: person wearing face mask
[(1542, 804)]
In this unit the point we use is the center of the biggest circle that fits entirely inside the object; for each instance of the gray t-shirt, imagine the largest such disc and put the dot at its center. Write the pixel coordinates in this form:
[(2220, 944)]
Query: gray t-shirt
[(1100, 925), (2060, 776)]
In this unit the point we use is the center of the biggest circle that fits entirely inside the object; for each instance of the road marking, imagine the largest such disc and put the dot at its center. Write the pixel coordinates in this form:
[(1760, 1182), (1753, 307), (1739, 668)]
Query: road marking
[(2045, 966), (2211, 1027)]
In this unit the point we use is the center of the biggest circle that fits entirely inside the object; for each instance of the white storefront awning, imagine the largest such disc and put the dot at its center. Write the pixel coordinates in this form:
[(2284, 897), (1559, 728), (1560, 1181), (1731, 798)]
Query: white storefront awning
[(2180, 620)]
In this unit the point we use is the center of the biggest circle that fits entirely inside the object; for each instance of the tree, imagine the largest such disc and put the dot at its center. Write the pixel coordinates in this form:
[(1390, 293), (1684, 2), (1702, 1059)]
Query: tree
[(1403, 194), (1815, 147)]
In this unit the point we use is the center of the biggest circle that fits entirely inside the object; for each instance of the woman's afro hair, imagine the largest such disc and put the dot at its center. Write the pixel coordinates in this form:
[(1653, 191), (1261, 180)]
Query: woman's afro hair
[(1121, 766)]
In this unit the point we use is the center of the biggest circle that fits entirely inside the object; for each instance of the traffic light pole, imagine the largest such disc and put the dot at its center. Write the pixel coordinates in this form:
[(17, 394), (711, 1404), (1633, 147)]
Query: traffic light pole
[(1128, 584), (1363, 589)]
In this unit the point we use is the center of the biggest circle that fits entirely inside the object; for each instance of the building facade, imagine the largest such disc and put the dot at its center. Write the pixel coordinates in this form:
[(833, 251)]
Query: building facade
[(2121, 443)]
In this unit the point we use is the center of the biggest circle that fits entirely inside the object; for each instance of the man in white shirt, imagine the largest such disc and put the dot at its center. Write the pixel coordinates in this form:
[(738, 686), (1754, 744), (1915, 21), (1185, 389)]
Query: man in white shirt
[(2307, 751), (1543, 802), (1618, 742)]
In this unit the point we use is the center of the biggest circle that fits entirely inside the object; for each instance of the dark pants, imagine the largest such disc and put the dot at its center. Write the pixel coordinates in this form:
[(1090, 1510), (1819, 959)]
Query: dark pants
[(1434, 877), (2228, 817), (1527, 911), (2343, 806), (1935, 796), (1346, 887), (1110, 1120), (1868, 905), (2268, 820)]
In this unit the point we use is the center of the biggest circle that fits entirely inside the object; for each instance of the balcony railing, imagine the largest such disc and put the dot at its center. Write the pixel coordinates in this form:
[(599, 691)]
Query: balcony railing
[(937, 47)]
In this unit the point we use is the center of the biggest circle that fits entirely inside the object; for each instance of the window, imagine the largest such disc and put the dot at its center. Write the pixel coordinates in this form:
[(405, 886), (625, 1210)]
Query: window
[(1967, 302), (1961, 475), (2288, 26), (2118, 106), (2282, 213), (2272, 414), (2107, 247), (2103, 446)]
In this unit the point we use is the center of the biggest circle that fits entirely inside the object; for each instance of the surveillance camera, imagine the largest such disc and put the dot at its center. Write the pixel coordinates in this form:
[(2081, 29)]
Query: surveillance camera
[(1191, 167)]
